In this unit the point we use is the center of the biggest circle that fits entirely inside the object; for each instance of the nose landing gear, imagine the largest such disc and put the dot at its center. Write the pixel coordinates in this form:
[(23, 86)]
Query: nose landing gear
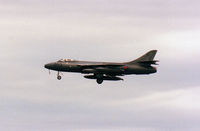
[(58, 76)]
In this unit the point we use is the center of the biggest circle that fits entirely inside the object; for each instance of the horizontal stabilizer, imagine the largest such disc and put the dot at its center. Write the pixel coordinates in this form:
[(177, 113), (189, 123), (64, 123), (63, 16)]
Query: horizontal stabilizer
[(149, 62)]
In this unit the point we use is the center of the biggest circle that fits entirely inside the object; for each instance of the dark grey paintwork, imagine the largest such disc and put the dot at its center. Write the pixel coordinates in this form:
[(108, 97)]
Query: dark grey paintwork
[(106, 70)]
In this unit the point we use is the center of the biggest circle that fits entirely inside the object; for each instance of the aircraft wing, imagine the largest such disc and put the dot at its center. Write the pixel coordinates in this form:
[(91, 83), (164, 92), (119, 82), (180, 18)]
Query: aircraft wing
[(104, 68), (99, 65)]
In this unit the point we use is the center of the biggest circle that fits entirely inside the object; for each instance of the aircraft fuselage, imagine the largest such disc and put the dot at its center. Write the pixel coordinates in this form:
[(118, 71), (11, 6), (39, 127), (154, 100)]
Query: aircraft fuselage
[(125, 69), (106, 70)]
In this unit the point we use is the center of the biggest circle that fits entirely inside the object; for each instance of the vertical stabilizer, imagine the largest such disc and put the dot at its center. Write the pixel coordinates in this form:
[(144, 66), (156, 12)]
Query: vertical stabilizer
[(148, 57)]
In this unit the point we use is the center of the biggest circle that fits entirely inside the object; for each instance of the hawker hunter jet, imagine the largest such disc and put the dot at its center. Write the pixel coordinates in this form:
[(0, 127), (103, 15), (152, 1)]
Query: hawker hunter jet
[(106, 70)]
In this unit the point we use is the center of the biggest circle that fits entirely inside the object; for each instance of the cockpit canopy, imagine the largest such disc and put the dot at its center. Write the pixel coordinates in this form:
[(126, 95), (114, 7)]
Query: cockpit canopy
[(66, 60)]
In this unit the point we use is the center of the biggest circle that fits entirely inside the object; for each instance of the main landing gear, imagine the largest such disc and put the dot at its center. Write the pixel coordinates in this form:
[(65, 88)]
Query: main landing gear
[(58, 76), (99, 80)]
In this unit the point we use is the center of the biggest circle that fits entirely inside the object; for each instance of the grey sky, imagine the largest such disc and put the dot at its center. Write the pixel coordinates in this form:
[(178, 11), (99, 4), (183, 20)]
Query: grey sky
[(36, 32)]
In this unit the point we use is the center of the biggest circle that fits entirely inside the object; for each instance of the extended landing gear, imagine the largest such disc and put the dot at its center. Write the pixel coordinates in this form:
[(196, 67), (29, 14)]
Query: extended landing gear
[(99, 81), (58, 76), (99, 78)]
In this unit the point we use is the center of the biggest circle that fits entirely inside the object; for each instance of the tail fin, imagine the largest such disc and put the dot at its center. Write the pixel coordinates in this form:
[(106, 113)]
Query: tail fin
[(146, 58)]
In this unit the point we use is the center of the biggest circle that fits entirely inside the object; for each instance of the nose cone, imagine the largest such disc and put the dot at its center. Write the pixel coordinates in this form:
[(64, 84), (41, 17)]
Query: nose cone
[(48, 66)]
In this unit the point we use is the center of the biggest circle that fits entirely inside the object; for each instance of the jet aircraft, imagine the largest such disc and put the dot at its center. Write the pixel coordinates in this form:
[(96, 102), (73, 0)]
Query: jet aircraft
[(106, 70)]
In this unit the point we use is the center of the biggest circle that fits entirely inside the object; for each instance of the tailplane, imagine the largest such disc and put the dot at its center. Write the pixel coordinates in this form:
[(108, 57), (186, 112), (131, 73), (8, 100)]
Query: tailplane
[(146, 59)]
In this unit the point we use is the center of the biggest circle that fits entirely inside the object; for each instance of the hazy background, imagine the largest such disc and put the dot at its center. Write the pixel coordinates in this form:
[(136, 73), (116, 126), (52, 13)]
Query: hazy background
[(35, 32)]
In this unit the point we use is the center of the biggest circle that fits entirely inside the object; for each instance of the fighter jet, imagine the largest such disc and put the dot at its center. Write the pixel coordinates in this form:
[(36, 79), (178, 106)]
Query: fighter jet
[(106, 70)]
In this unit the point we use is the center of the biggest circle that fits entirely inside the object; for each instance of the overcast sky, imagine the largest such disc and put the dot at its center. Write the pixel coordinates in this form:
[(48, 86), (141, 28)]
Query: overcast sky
[(35, 32)]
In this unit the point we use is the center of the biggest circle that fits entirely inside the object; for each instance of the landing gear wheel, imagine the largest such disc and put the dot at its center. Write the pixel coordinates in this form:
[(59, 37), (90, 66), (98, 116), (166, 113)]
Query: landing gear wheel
[(99, 81), (59, 77)]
